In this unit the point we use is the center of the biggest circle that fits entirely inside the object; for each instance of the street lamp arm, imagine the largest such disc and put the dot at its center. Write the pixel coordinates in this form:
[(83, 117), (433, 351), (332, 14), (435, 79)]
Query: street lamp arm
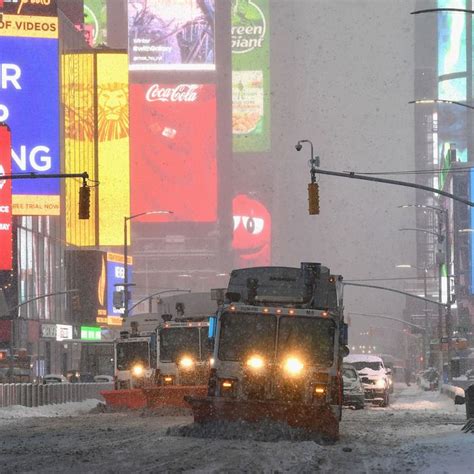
[(146, 213), (396, 291), (434, 10), (426, 231), (173, 290), (40, 298), (440, 101), (354, 175), (391, 318)]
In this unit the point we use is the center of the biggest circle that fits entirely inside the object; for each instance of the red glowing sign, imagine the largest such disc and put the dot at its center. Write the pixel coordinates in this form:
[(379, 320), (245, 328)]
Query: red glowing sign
[(252, 232), (173, 143), (5, 199)]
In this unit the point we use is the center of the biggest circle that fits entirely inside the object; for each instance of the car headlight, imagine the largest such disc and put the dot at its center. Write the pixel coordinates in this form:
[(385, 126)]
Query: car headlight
[(293, 366), (186, 363), (137, 370), (380, 383), (255, 362)]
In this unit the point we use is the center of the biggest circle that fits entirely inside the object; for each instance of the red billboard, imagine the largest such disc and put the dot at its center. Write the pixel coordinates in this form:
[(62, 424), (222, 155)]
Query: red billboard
[(173, 151), (5, 199)]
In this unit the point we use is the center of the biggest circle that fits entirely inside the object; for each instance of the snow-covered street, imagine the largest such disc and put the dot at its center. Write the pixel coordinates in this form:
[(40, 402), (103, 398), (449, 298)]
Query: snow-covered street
[(419, 432)]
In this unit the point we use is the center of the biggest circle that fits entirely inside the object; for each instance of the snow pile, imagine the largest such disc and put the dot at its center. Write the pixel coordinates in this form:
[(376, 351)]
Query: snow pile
[(266, 430), (16, 412), (413, 399)]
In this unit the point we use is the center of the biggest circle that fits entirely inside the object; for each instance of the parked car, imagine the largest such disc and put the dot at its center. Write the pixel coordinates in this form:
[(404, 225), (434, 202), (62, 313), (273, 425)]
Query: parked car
[(54, 378), (353, 390), (103, 378), (373, 377)]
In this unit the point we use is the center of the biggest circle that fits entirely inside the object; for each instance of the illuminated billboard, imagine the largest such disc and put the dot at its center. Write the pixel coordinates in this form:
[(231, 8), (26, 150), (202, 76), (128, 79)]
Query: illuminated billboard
[(29, 102), (174, 159), (250, 75), (77, 93), (5, 200), (113, 158), (95, 21), (116, 276), (171, 34)]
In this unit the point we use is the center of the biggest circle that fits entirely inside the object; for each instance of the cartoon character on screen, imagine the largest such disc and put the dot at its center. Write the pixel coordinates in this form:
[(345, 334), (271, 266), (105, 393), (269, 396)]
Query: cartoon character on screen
[(252, 232)]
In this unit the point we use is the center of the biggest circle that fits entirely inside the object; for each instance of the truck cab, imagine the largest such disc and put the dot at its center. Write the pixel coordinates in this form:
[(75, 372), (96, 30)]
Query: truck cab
[(183, 352), (279, 342)]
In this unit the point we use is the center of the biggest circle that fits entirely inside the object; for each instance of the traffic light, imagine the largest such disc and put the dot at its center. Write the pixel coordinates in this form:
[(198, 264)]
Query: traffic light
[(313, 198), (84, 201)]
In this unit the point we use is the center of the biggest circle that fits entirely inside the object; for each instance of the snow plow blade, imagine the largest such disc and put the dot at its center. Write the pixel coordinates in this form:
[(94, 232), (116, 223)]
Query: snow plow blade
[(132, 399), (318, 419), (172, 396)]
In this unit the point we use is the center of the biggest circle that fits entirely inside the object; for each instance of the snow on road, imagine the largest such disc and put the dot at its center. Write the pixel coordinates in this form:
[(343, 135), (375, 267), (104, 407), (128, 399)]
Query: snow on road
[(419, 432)]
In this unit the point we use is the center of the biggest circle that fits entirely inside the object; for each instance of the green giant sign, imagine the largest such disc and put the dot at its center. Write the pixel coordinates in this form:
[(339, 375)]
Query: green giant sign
[(250, 76)]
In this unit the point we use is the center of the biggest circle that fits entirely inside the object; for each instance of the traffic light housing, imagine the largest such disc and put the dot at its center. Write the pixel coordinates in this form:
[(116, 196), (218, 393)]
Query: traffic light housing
[(313, 198), (84, 201)]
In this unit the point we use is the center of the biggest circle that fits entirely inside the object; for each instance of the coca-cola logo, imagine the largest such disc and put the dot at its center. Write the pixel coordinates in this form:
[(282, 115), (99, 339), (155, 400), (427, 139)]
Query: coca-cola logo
[(180, 93)]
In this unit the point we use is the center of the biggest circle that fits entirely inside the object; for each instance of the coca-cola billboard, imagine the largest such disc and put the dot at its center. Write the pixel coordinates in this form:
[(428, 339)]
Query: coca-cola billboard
[(5, 199), (173, 151)]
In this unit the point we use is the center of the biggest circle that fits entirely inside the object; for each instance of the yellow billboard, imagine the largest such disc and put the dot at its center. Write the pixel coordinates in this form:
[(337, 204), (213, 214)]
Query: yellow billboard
[(113, 161), (77, 92)]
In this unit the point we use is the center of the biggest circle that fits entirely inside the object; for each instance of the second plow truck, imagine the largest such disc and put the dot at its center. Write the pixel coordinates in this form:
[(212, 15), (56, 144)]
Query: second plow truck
[(279, 342), (161, 357)]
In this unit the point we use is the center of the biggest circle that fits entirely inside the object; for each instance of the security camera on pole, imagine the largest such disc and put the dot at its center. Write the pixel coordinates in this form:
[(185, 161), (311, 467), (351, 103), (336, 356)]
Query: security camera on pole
[(313, 187)]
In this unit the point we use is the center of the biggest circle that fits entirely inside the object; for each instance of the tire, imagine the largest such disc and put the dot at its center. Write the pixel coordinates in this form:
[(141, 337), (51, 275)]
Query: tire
[(386, 400)]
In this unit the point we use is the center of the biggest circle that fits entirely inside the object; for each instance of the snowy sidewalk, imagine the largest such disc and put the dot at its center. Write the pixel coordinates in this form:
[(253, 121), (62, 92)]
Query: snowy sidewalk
[(16, 412)]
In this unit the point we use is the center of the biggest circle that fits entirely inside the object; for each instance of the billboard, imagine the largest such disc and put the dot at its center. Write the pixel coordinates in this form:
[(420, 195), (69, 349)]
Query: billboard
[(77, 95), (250, 76), (6, 248), (115, 276), (95, 21), (113, 158), (29, 101), (171, 34), (174, 160)]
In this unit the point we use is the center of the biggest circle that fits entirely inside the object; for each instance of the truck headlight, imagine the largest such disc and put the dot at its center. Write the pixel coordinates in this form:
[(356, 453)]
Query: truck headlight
[(137, 370), (293, 366), (255, 362), (186, 363), (380, 383)]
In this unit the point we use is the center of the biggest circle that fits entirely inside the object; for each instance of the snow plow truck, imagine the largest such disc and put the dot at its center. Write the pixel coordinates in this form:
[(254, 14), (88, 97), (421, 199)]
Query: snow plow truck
[(161, 357), (280, 338)]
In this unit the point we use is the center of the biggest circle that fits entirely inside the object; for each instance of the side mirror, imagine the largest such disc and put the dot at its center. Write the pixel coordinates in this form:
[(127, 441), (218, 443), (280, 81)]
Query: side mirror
[(458, 400), (345, 351), (388, 371)]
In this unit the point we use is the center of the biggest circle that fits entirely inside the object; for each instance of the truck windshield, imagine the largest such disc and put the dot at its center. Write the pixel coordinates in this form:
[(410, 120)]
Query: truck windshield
[(176, 342), (132, 353), (242, 335), (310, 338)]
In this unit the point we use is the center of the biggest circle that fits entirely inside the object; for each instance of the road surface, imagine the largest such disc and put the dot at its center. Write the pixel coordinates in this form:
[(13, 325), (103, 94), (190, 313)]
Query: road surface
[(419, 432)]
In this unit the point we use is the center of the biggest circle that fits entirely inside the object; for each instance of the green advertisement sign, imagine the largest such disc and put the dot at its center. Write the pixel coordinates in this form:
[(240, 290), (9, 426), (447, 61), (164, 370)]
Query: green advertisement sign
[(95, 20), (250, 75), (89, 333)]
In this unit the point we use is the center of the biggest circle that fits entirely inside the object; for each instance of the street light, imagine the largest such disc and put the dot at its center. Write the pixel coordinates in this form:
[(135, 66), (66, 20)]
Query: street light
[(126, 294), (446, 238), (425, 291)]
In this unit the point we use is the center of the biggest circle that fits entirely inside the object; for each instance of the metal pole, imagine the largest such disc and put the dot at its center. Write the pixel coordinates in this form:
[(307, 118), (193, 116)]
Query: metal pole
[(440, 297), (425, 336), (125, 265), (448, 289)]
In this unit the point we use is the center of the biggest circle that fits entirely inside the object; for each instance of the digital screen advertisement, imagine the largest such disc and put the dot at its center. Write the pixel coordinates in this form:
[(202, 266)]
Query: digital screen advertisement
[(115, 276), (173, 160), (113, 158), (250, 76), (95, 21), (171, 34), (77, 76), (29, 103), (5, 200)]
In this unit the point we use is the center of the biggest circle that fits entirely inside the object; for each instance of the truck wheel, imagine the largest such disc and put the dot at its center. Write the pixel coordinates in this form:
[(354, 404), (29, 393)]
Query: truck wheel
[(386, 400)]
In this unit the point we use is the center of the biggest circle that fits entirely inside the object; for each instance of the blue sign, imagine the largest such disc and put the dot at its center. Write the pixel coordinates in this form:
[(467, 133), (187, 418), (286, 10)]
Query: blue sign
[(115, 276), (29, 104)]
